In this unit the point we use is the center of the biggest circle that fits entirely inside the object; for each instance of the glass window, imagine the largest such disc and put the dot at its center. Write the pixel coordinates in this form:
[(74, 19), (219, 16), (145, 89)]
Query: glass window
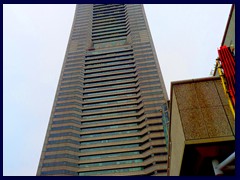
[(110, 171), (109, 127), (110, 71), (70, 88), (64, 148), (114, 65), (152, 93), (109, 148), (111, 163), (58, 172), (109, 108), (110, 76), (65, 121), (112, 91), (108, 114), (108, 120), (67, 115), (65, 134), (109, 133), (109, 102), (68, 103), (110, 67), (110, 97), (110, 59), (110, 140), (56, 156), (68, 109), (69, 93), (153, 99), (107, 83), (64, 128), (71, 83), (71, 74), (109, 155)]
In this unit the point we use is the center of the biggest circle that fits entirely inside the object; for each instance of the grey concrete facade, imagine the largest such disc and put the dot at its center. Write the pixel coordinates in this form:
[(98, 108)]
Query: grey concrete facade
[(229, 34), (107, 114)]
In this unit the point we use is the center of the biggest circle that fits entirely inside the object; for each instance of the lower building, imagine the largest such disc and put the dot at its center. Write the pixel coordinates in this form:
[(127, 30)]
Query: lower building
[(202, 127), (202, 117)]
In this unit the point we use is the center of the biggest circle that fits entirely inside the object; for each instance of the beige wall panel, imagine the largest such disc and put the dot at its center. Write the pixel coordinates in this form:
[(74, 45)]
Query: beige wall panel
[(207, 94), (186, 96), (177, 140), (221, 92), (193, 124), (216, 122), (230, 118)]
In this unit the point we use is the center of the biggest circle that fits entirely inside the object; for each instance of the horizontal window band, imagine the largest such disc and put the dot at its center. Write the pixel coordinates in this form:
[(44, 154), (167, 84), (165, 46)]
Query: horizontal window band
[(56, 156), (65, 121), (56, 172), (63, 141)]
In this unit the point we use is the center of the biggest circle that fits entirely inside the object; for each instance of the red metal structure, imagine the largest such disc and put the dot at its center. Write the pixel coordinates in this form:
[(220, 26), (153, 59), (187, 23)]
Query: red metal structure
[(228, 66)]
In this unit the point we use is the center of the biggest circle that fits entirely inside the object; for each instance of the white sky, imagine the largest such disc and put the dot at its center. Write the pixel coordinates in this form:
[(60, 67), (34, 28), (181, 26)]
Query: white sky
[(186, 38)]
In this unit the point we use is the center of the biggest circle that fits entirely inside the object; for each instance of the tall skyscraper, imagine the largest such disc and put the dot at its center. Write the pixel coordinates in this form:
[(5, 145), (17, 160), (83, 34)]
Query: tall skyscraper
[(109, 114)]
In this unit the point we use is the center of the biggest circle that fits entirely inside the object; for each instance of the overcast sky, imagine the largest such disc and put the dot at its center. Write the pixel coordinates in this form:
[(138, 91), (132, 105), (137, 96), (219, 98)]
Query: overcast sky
[(186, 38)]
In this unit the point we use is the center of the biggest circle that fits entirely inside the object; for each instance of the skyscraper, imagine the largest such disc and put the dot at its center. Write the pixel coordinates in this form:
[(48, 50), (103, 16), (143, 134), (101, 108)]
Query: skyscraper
[(109, 116)]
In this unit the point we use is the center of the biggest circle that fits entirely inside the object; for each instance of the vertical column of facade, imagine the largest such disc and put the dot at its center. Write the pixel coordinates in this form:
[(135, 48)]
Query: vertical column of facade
[(123, 140), (61, 146), (151, 82), (110, 140)]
